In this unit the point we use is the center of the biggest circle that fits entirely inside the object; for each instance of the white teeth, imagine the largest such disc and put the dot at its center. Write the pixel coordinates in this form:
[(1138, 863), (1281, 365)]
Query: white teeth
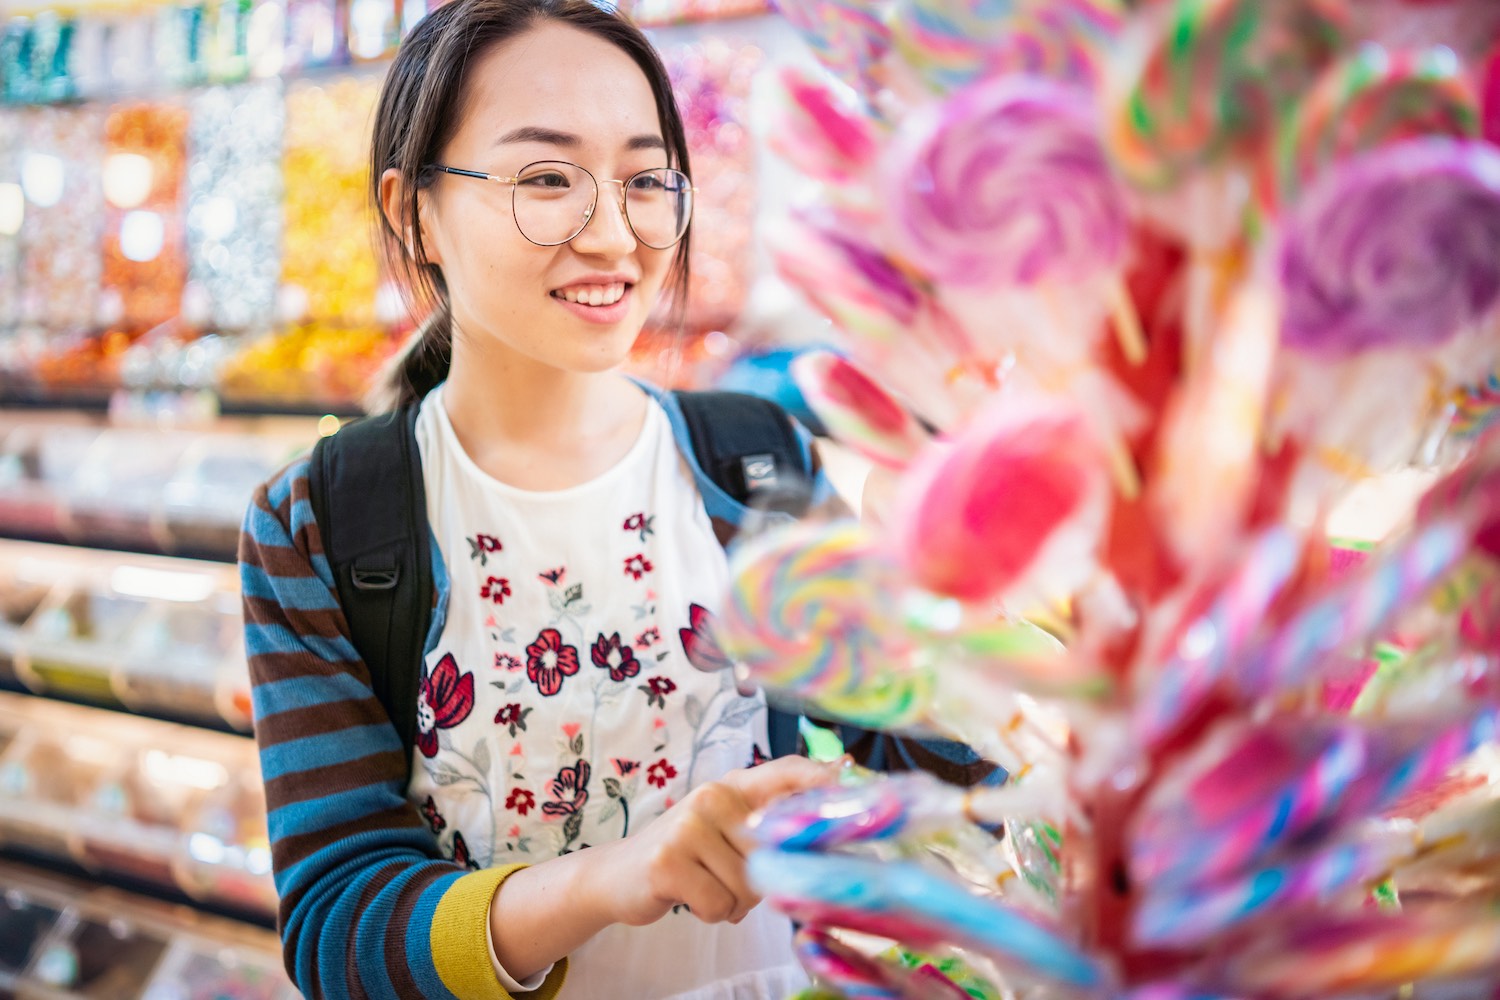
[(593, 295)]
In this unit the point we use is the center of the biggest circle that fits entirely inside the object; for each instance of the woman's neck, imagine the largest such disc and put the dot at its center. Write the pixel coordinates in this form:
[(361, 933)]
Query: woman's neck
[(538, 427)]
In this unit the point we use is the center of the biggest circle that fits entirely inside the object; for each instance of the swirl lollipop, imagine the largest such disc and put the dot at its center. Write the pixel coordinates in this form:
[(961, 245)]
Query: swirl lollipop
[(1394, 250), (945, 41), (847, 36), (857, 411), (813, 610), (1371, 99), (1006, 184)]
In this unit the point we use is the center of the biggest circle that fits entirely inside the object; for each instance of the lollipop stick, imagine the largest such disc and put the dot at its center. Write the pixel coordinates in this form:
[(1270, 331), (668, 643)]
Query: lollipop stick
[(1127, 323)]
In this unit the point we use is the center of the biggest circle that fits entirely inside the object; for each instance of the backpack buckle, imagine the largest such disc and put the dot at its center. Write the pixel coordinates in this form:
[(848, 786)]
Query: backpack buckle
[(375, 579)]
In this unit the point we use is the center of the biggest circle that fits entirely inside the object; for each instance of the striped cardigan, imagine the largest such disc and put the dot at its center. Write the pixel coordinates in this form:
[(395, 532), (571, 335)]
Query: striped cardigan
[(368, 906)]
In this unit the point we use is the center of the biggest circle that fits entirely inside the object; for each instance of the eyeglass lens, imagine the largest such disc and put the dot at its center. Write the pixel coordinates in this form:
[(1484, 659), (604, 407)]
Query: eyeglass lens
[(552, 202)]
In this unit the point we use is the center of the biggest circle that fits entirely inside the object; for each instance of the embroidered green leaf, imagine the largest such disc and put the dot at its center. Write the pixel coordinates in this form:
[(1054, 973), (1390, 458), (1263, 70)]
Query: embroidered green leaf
[(573, 826), (573, 593), (577, 744), (482, 757), (693, 709), (612, 787)]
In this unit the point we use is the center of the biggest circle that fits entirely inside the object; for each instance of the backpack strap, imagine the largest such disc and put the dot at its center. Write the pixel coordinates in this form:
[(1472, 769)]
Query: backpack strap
[(749, 447), (368, 498)]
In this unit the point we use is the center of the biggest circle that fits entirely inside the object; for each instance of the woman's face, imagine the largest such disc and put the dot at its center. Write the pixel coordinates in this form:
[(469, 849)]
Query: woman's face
[(553, 93)]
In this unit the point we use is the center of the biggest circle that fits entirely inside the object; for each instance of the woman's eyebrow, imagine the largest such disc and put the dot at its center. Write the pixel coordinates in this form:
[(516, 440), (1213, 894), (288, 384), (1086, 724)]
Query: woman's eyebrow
[(553, 137)]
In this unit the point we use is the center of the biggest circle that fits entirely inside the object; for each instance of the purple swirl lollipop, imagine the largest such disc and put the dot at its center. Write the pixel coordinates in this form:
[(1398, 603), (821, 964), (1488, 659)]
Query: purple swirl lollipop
[(1006, 184), (1397, 248)]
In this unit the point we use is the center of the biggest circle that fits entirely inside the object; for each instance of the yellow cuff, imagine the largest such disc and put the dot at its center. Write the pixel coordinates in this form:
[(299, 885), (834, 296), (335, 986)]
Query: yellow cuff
[(460, 940)]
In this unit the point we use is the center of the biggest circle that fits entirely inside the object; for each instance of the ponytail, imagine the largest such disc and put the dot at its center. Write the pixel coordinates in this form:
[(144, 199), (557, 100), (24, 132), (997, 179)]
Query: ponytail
[(419, 367)]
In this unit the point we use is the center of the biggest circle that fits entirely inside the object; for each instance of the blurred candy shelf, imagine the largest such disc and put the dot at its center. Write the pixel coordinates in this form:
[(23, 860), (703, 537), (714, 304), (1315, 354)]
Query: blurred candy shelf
[(61, 939)]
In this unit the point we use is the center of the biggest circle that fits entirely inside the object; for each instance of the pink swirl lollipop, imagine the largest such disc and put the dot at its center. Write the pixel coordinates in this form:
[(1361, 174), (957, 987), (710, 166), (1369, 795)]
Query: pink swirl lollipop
[(847, 36), (1394, 249), (1006, 184), (857, 411)]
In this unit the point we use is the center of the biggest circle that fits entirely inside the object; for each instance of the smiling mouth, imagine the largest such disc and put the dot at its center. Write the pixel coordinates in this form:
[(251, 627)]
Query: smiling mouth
[(593, 295)]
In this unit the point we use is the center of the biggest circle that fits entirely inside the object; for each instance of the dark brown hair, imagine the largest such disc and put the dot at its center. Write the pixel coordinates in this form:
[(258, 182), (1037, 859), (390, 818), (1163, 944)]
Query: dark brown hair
[(421, 106)]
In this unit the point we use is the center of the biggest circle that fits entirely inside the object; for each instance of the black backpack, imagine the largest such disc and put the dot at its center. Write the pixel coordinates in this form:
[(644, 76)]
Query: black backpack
[(376, 539)]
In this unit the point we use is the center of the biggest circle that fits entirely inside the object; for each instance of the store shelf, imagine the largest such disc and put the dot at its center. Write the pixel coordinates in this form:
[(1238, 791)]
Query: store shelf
[(62, 939)]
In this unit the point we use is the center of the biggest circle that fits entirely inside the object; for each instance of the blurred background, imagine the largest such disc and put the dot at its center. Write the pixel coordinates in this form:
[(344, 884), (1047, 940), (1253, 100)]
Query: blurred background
[(189, 297)]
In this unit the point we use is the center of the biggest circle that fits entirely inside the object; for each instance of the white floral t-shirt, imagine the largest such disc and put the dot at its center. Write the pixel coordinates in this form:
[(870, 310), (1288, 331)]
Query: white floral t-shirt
[(575, 694)]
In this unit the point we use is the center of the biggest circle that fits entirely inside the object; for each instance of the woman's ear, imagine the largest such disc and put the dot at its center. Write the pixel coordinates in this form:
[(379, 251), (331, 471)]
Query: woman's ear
[(393, 205)]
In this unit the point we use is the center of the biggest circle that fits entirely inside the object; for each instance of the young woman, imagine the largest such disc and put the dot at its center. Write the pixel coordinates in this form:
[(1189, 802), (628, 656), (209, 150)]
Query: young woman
[(578, 790)]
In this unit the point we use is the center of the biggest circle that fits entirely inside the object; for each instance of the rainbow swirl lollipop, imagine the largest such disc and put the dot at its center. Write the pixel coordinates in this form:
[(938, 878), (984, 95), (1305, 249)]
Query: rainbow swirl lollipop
[(813, 610), (1374, 98), (1394, 249)]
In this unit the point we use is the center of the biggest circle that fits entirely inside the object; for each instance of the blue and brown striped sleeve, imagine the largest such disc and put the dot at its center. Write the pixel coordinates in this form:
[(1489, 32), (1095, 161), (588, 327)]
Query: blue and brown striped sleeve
[(369, 909)]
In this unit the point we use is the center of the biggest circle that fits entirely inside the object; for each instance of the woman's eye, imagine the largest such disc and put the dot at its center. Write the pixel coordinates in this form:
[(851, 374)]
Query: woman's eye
[(550, 179), (648, 182)]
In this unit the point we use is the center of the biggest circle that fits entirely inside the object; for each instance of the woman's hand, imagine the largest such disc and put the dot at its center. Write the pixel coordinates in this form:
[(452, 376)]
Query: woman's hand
[(694, 854)]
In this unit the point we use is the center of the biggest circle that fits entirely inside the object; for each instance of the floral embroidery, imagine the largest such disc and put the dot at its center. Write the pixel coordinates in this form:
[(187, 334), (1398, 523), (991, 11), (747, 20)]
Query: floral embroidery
[(569, 790), (660, 773), (446, 699), (496, 589), (461, 853), (481, 547), (637, 566), (609, 653), (625, 767), (552, 577), (432, 816), (549, 660), (504, 661), (756, 757), (699, 644), (641, 523), (648, 638), (513, 717), (657, 689), (521, 800)]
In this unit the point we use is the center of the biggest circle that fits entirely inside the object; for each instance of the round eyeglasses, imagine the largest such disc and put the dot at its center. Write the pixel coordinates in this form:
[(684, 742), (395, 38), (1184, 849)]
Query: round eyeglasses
[(553, 201)]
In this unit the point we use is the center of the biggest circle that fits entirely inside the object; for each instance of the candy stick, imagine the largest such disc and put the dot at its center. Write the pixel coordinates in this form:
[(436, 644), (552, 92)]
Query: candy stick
[(908, 903), (857, 411), (1187, 918), (1207, 646), (1374, 98), (1352, 612), (1367, 953), (847, 36)]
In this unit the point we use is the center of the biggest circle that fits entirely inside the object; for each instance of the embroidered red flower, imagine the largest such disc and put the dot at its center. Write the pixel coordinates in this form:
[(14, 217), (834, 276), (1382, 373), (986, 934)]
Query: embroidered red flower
[(625, 767), (446, 699), (549, 660), (660, 773), (461, 853), (698, 641), (513, 717), (609, 653), (756, 757), (637, 566), (496, 589), (481, 546), (432, 816), (569, 790), (553, 577), (657, 689), (648, 638), (641, 523), (521, 800), (504, 661)]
